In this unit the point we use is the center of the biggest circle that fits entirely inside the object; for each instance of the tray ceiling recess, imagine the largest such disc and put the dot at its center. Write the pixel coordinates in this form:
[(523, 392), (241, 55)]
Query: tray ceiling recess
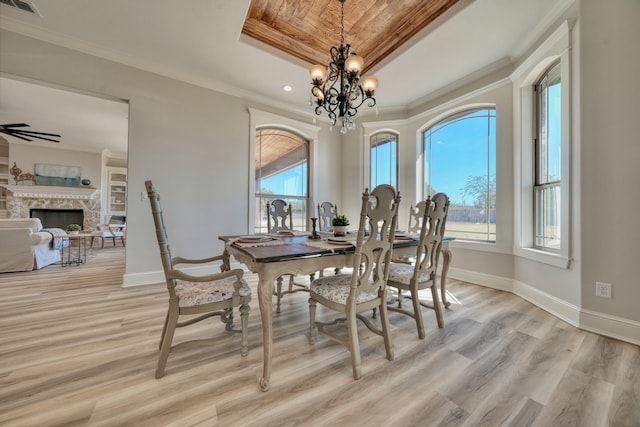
[(307, 29)]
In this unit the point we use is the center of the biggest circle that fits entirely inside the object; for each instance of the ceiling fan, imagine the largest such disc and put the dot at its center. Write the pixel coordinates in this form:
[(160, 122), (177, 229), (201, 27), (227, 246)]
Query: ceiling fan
[(11, 129)]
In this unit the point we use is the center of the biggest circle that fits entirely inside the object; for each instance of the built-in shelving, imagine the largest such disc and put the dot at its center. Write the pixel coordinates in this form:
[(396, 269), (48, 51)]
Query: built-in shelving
[(116, 191)]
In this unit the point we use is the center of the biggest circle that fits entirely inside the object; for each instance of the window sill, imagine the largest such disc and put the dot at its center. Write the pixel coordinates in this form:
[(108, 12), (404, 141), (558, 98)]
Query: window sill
[(479, 246), (556, 260)]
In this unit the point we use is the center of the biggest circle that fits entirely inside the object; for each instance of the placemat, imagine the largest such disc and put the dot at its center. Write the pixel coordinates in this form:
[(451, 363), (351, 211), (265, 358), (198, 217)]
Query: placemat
[(323, 244), (273, 242)]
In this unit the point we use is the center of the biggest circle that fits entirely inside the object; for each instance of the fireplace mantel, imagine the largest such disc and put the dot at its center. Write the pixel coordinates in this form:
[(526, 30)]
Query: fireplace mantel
[(51, 192)]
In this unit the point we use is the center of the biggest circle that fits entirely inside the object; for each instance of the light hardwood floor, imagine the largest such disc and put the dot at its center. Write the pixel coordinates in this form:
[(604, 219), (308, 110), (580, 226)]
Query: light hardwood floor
[(76, 349)]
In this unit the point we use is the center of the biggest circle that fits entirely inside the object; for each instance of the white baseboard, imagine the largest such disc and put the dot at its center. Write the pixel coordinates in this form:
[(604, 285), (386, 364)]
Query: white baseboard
[(599, 323), (611, 326), (488, 280), (559, 308), (139, 279)]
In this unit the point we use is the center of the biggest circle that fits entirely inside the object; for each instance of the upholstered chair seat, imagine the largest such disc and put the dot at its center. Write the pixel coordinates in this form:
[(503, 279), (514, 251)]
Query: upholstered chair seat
[(337, 289), (403, 273), (198, 293)]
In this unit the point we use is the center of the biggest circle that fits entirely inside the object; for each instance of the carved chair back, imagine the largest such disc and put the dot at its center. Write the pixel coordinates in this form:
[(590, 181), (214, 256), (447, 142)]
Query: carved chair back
[(279, 216), (416, 215), (326, 212), (378, 214), (431, 234)]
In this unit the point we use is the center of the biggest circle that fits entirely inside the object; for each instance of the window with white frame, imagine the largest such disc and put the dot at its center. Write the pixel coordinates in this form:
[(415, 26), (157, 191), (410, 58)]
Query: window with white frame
[(281, 172), (542, 124), (459, 155), (384, 159), (548, 156)]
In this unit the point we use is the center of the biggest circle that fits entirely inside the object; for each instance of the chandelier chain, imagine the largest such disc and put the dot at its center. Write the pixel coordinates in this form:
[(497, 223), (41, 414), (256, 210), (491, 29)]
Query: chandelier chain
[(342, 23)]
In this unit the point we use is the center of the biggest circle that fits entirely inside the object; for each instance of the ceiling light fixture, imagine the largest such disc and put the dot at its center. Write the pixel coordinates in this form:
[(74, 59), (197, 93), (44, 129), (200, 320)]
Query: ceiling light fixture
[(342, 91)]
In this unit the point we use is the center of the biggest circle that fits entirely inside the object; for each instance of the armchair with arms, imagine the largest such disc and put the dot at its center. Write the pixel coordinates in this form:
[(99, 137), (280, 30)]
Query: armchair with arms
[(115, 228), (197, 297)]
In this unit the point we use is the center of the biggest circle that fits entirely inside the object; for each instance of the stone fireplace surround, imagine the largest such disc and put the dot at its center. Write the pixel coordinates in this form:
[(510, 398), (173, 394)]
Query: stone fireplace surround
[(22, 198)]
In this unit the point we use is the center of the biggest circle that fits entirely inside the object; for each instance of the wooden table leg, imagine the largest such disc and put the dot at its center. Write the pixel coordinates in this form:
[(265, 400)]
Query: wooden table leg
[(265, 294), (446, 261)]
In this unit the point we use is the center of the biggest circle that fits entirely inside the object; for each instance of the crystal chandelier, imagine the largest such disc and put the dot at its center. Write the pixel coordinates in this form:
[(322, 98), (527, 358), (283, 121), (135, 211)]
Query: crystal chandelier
[(338, 89)]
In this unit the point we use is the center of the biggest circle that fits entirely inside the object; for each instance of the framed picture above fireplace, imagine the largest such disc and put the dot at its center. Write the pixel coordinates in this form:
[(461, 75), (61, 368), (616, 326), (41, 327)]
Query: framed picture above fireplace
[(61, 176)]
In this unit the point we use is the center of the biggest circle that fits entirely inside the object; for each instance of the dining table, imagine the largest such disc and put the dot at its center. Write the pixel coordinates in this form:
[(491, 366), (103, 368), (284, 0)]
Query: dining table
[(270, 256)]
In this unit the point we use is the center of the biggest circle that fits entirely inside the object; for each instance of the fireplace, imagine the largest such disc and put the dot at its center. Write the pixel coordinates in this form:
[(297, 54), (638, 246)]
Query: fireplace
[(24, 200), (58, 218)]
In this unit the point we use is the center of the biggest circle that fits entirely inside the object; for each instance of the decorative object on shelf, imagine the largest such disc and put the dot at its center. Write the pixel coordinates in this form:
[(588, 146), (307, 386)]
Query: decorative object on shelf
[(86, 181), (342, 91), (314, 233), (26, 177), (15, 171), (73, 228), (61, 176), (10, 129), (340, 224)]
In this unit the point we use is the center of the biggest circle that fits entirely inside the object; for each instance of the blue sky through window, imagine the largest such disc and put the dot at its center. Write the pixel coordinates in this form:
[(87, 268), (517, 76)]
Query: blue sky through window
[(458, 149), (290, 182)]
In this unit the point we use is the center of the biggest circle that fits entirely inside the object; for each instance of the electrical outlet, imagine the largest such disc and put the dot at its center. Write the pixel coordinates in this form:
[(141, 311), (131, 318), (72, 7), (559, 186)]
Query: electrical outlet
[(144, 196), (603, 290)]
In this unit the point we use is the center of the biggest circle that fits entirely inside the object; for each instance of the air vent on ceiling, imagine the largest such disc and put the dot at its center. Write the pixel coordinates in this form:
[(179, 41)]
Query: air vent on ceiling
[(22, 5)]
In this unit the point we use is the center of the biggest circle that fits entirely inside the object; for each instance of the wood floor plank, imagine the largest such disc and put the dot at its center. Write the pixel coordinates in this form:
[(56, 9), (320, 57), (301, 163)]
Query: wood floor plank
[(77, 349)]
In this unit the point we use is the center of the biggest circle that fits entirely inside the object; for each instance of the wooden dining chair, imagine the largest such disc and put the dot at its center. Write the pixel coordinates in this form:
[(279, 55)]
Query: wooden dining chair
[(365, 287), (279, 219), (209, 295), (421, 274), (279, 216), (326, 212), (416, 216)]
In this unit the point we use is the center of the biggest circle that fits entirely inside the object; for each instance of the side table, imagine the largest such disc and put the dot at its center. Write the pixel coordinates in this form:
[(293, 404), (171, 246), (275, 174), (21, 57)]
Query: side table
[(76, 241)]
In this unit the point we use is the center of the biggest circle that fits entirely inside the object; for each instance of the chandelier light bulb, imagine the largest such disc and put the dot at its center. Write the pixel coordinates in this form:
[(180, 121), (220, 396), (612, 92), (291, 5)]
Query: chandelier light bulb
[(354, 64), (318, 73), (369, 84)]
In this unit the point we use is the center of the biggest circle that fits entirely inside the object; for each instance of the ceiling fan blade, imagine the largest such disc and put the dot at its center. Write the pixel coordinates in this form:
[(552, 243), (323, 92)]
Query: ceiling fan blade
[(23, 134), (18, 136), (34, 134), (14, 125)]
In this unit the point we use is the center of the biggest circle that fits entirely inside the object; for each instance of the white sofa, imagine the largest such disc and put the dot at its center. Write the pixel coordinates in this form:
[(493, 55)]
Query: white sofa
[(24, 246)]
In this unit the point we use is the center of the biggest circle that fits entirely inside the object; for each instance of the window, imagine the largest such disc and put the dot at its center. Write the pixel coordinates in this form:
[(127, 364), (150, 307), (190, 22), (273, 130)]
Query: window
[(281, 172), (542, 127), (548, 156), (384, 159), (460, 160)]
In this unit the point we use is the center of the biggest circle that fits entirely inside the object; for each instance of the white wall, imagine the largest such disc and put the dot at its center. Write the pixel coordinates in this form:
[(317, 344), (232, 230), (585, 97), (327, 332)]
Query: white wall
[(26, 156), (610, 153), (192, 142)]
